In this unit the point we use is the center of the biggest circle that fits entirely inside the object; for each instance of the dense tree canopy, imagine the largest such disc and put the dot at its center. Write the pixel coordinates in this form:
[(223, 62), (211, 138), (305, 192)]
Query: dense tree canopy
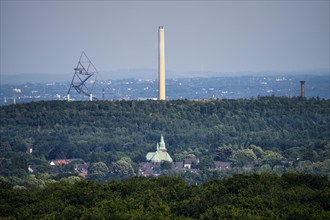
[(266, 196), (273, 135), (60, 129), (266, 130)]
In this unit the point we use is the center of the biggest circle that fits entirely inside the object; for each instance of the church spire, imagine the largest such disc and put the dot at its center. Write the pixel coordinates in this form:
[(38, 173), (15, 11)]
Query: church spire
[(162, 143), (161, 153)]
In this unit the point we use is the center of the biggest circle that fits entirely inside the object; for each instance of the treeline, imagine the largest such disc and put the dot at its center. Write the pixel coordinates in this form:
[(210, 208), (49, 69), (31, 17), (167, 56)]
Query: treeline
[(265, 196), (266, 130)]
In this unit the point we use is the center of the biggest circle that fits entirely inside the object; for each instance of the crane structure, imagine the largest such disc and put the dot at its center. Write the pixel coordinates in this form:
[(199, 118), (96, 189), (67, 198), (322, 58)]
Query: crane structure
[(84, 78)]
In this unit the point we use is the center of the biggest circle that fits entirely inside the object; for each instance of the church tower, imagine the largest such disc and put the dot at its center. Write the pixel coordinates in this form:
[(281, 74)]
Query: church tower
[(160, 154), (162, 144)]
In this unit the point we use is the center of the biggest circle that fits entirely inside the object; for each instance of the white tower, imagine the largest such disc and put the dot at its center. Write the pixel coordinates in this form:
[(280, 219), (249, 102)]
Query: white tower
[(161, 63)]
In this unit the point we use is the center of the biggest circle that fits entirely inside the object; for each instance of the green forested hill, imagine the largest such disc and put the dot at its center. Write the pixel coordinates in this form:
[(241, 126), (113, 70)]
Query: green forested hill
[(267, 130), (291, 196), (60, 129)]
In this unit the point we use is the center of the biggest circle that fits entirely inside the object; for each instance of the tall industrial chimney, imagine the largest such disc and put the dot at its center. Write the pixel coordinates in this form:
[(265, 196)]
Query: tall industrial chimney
[(161, 63), (302, 89)]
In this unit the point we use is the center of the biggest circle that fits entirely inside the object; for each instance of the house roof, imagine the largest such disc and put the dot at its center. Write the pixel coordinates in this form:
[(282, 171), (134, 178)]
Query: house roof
[(66, 161), (148, 169), (190, 161), (62, 162), (177, 165), (81, 166), (159, 156), (222, 165)]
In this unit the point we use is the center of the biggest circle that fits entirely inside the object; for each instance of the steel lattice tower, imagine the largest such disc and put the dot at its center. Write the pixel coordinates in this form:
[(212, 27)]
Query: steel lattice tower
[(84, 77)]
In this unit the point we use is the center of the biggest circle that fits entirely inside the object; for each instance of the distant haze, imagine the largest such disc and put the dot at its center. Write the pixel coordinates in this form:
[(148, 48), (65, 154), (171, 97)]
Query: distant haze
[(212, 38)]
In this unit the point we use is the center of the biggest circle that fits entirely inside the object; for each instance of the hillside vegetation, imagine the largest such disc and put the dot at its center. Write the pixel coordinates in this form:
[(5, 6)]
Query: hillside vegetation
[(267, 130), (292, 196)]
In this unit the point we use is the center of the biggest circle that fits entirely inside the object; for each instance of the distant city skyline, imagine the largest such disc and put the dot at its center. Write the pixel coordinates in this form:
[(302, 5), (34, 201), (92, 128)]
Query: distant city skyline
[(212, 36)]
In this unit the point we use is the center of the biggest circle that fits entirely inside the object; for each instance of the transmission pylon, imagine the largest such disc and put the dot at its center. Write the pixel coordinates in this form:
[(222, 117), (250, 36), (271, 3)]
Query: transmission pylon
[(84, 77)]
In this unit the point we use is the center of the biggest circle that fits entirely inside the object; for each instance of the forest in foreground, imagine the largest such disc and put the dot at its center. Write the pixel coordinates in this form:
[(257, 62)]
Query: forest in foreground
[(266, 134), (265, 196)]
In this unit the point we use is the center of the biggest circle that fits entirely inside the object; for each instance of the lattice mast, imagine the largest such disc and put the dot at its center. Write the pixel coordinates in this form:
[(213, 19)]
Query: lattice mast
[(84, 77)]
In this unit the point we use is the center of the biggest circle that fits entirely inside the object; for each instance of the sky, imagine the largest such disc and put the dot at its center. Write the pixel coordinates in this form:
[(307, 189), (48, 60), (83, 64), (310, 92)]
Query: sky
[(47, 37)]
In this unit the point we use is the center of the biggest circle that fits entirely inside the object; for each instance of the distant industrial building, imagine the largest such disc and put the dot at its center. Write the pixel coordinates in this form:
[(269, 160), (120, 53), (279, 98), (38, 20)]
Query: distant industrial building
[(161, 63), (302, 89)]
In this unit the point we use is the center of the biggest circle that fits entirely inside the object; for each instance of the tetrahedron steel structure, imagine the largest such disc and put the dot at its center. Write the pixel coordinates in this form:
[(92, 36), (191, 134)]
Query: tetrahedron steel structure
[(84, 77)]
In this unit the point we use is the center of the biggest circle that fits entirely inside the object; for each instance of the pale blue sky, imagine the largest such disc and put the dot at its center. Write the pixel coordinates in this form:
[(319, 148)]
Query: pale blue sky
[(220, 36)]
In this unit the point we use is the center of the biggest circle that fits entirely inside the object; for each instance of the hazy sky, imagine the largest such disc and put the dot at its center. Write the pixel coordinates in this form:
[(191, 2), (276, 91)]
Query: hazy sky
[(221, 36)]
